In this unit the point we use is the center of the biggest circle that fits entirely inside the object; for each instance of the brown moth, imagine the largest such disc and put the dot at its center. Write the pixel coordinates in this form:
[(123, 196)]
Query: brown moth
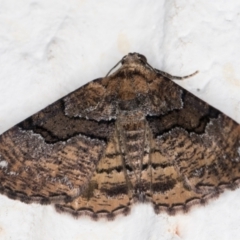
[(131, 136)]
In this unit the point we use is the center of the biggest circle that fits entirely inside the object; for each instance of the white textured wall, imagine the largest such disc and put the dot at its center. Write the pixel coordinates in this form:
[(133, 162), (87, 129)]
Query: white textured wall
[(49, 48)]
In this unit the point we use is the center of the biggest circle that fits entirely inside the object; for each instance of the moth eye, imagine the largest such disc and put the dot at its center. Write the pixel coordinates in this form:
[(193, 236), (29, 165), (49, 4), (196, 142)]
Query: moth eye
[(142, 58)]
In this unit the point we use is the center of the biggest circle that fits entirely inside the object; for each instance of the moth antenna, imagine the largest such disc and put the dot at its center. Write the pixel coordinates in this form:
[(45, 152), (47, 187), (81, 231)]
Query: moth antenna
[(113, 67), (147, 64), (167, 75)]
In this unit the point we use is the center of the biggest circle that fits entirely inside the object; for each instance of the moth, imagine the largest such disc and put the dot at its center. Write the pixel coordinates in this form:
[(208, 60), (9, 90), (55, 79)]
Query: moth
[(132, 136)]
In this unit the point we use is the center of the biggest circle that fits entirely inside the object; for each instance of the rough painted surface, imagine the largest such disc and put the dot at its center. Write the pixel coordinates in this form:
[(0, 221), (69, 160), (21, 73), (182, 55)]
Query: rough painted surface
[(51, 48)]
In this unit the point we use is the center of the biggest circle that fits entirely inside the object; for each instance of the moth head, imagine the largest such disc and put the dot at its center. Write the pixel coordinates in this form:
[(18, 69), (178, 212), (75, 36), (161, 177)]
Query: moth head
[(134, 58), (131, 58)]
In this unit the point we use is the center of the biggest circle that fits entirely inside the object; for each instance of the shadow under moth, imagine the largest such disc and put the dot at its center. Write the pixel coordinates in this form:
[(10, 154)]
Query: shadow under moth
[(132, 136)]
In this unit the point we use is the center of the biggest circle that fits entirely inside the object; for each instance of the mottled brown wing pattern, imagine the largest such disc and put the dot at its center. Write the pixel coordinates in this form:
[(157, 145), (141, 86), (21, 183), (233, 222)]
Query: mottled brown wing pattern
[(132, 136), (51, 156), (109, 192), (201, 157)]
